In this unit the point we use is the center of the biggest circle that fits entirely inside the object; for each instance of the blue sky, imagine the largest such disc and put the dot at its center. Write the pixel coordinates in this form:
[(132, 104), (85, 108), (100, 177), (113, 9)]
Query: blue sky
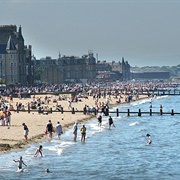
[(145, 33)]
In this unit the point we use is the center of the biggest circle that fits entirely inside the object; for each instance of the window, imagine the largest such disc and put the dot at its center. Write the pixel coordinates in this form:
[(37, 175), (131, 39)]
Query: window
[(68, 75), (76, 68)]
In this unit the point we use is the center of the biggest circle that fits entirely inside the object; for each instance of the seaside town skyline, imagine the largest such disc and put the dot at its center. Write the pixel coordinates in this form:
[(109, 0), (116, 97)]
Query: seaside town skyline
[(144, 33)]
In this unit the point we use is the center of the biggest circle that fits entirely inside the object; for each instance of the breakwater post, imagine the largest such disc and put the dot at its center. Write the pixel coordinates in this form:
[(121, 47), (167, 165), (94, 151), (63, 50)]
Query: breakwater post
[(29, 108), (117, 111), (128, 112), (150, 112), (73, 112)]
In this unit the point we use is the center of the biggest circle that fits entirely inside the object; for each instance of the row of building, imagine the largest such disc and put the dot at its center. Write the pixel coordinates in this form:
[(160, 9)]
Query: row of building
[(85, 69), (19, 66)]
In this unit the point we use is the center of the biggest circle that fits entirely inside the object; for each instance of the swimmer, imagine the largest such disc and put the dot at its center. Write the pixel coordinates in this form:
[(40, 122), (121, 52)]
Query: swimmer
[(20, 162), (38, 150), (149, 140), (47, 170)]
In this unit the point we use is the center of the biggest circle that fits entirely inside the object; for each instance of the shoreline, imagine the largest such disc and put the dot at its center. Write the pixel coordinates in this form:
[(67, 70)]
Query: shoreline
[(8, 145), (23, 144)]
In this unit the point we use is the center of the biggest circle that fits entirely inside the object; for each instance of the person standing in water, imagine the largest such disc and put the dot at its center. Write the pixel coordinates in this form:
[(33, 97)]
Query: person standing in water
[(38, 150), (83, 133), (111, 122), (20, 163), (99, 120), (49, 128), (75, 128), (59, 129)]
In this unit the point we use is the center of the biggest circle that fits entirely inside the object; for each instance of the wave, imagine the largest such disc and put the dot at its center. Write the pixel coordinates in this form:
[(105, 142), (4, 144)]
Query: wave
[(134, 123)]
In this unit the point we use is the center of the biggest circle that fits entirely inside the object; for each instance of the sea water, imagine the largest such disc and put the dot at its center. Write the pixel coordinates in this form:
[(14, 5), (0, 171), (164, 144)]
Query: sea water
[(119, 153)]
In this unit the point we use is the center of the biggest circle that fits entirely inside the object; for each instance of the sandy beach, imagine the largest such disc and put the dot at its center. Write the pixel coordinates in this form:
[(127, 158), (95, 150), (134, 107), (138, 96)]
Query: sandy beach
[(12, 139)]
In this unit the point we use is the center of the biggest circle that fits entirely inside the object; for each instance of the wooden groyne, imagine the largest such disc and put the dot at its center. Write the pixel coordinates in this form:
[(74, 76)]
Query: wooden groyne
[(117, 112), (160, 92)]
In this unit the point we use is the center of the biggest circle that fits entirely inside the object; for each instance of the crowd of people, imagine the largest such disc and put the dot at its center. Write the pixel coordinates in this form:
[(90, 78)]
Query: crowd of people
[(42, 104), (129, 86)]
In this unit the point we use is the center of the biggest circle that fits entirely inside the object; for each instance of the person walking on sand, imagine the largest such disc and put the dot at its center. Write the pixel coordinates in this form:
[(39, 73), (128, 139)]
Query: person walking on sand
[(59, 130), (83, 133), (69, 105), (75, 128), (20, 163), (26, 131), (49, 128), (111, 122), (38, 151)]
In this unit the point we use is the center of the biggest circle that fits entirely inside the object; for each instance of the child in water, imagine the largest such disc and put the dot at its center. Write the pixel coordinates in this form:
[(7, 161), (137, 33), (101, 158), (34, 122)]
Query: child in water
[(83, 133), (38, 150), (149, 140)]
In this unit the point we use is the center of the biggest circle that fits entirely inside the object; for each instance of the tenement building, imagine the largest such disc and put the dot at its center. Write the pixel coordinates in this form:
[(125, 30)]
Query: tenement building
[(112, 71), (67, 69), (16, 65), (85, 69)]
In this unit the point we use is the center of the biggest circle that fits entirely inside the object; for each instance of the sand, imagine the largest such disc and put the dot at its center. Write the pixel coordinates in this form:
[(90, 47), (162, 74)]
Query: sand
[(12, 139)]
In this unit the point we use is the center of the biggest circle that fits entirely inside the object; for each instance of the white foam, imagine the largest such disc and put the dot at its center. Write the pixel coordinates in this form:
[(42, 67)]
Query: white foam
[(66, 143), (59, 151), (134, 123), (143, 101), (161, 97)]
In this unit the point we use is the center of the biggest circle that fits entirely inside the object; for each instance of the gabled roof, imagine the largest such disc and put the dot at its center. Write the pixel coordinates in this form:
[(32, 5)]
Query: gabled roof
[(10, 44)]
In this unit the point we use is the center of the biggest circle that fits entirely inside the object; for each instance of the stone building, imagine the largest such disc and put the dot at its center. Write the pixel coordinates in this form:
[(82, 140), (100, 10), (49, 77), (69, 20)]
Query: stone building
[(150, 75), (16, 66), (114, 70), (52, 75), (103, 66), (67, 69), (126, 74)]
